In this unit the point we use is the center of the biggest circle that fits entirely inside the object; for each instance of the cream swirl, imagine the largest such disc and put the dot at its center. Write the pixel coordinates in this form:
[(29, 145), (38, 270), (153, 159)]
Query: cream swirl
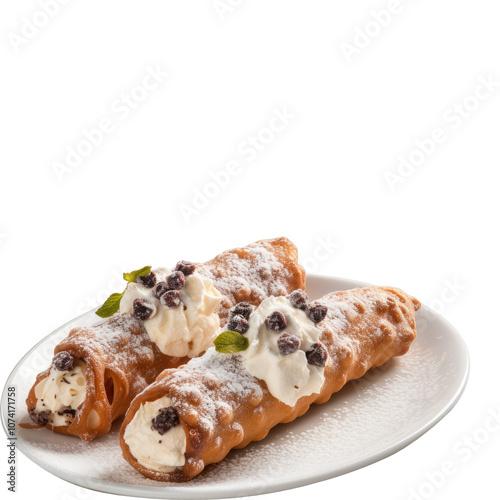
[(288, 376), (61, 392), (163, 453), (186, 330)]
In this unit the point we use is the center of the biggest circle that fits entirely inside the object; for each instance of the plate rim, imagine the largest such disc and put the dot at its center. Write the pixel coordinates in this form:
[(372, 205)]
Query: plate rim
[(221, 491)]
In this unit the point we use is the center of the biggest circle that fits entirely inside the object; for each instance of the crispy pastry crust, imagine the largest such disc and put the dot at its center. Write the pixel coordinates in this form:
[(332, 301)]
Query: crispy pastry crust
[(221, 407), (122, 360)]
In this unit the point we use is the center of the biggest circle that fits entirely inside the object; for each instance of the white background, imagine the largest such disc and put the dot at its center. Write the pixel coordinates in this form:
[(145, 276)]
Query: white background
[(323, 178)]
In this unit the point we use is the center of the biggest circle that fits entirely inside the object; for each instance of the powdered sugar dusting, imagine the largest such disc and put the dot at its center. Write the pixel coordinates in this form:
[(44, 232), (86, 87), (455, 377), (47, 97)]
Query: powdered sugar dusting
[(120, 342), (366, 418), (262, 269), (234, 382)]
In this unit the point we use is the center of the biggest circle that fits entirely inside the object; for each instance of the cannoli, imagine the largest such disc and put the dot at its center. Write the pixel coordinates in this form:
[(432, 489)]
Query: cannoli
[(164, 318), (291, 354)]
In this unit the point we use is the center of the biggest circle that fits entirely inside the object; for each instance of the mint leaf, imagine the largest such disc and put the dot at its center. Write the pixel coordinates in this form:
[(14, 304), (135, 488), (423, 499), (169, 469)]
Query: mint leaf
[(110, 306), (230, 342), (132, 277)]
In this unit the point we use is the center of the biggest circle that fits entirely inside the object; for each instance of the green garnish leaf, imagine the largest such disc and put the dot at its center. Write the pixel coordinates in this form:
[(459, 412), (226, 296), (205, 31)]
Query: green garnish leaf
[(229, 342), (110, 306), (132, 277)]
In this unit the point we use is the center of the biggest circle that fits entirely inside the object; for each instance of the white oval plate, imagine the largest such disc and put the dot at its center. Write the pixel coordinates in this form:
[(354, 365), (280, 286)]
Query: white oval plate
[(368, 420)]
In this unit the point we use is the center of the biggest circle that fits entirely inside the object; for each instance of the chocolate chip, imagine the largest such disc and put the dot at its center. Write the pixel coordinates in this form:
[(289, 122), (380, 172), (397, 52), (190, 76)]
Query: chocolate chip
[(317, 312), (41, 418), (275, 322), (238, 324), (161, 288), (317, 355), (171, 299), (288, 344), (64, 361), (185, 267), (143, 309), (68, 411), (242, 309), (176, 281), (165, 420), (299, 299), (149, 281)]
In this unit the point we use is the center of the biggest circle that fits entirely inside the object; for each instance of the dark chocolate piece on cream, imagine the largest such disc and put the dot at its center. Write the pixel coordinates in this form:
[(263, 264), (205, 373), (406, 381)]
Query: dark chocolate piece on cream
[(317, 355), (317, 312), (185, 267), (149, 281), (276, 322), (171, 299), (67, 410), (64, 361), (299, 299), (161, 288), (288, 344), (41, 418), (242, 309), (143, 309), (238, 324), (165, 420), (176, 280)]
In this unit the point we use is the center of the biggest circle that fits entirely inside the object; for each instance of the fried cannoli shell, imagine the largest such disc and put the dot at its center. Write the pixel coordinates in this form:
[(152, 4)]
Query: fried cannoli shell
[(267, 268), (122, 360), (364, 328)]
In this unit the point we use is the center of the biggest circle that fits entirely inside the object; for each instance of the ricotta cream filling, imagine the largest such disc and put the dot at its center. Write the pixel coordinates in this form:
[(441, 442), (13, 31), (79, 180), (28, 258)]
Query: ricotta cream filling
[(288, 377), (186, 330), (151, 449), (62, 390)]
